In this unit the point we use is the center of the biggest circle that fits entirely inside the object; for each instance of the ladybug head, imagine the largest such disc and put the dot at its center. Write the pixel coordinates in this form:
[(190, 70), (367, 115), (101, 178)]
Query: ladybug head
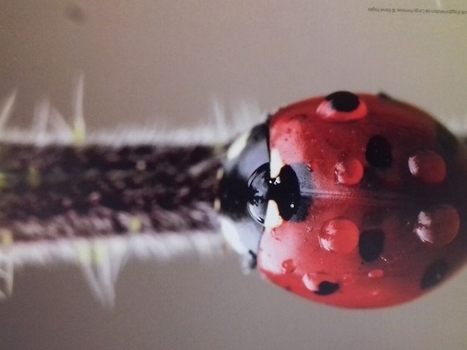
[(256, 191)]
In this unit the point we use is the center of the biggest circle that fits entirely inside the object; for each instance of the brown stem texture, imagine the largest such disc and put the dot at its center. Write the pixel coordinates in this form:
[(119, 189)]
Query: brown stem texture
[(55, 191)]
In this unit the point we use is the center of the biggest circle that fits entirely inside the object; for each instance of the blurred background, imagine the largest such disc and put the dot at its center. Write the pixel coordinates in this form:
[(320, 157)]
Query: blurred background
[(152, 61)]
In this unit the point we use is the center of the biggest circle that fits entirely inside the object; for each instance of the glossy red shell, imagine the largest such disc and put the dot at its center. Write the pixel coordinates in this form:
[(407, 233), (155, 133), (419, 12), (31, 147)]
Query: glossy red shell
[(404, 197)]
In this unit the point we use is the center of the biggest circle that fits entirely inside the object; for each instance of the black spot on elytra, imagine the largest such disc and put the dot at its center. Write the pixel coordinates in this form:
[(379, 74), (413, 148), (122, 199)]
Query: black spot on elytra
[(302, 200), (371, 244), (434, 274), (343, 101), (327, 288), (447, 140), (287, 192), (379, 152)]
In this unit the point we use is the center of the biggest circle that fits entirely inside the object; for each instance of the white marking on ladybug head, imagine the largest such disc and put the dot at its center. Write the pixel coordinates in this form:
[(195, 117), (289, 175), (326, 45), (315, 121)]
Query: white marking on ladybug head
[(240, 241), (275, 163), (273, 218)]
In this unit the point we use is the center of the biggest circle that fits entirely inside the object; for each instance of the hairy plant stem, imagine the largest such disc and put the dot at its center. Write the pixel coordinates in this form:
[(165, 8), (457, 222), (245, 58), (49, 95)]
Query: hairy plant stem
[(53, 192)]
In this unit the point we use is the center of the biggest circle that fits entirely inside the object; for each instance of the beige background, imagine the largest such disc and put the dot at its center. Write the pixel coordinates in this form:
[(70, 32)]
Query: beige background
[(165, 60)]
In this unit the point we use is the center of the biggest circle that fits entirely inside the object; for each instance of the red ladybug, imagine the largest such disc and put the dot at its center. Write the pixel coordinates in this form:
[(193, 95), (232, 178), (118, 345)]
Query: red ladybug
[(352, 200)]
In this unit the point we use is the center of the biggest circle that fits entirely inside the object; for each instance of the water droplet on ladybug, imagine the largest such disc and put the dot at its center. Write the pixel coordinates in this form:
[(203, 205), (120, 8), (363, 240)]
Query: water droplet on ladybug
[(428, 166), (377, 273), (258, 187), (349, 171), (439, 226), (270, 201), (288, 266), (339, 235)]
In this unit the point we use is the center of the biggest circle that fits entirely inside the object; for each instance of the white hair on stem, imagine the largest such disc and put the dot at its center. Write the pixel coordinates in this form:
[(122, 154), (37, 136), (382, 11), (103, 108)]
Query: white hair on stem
[(51, 127), (6, 110), (101, 259)]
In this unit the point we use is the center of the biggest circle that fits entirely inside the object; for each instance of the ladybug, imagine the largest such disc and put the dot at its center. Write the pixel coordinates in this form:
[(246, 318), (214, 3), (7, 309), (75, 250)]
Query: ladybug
[(352, 200)]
